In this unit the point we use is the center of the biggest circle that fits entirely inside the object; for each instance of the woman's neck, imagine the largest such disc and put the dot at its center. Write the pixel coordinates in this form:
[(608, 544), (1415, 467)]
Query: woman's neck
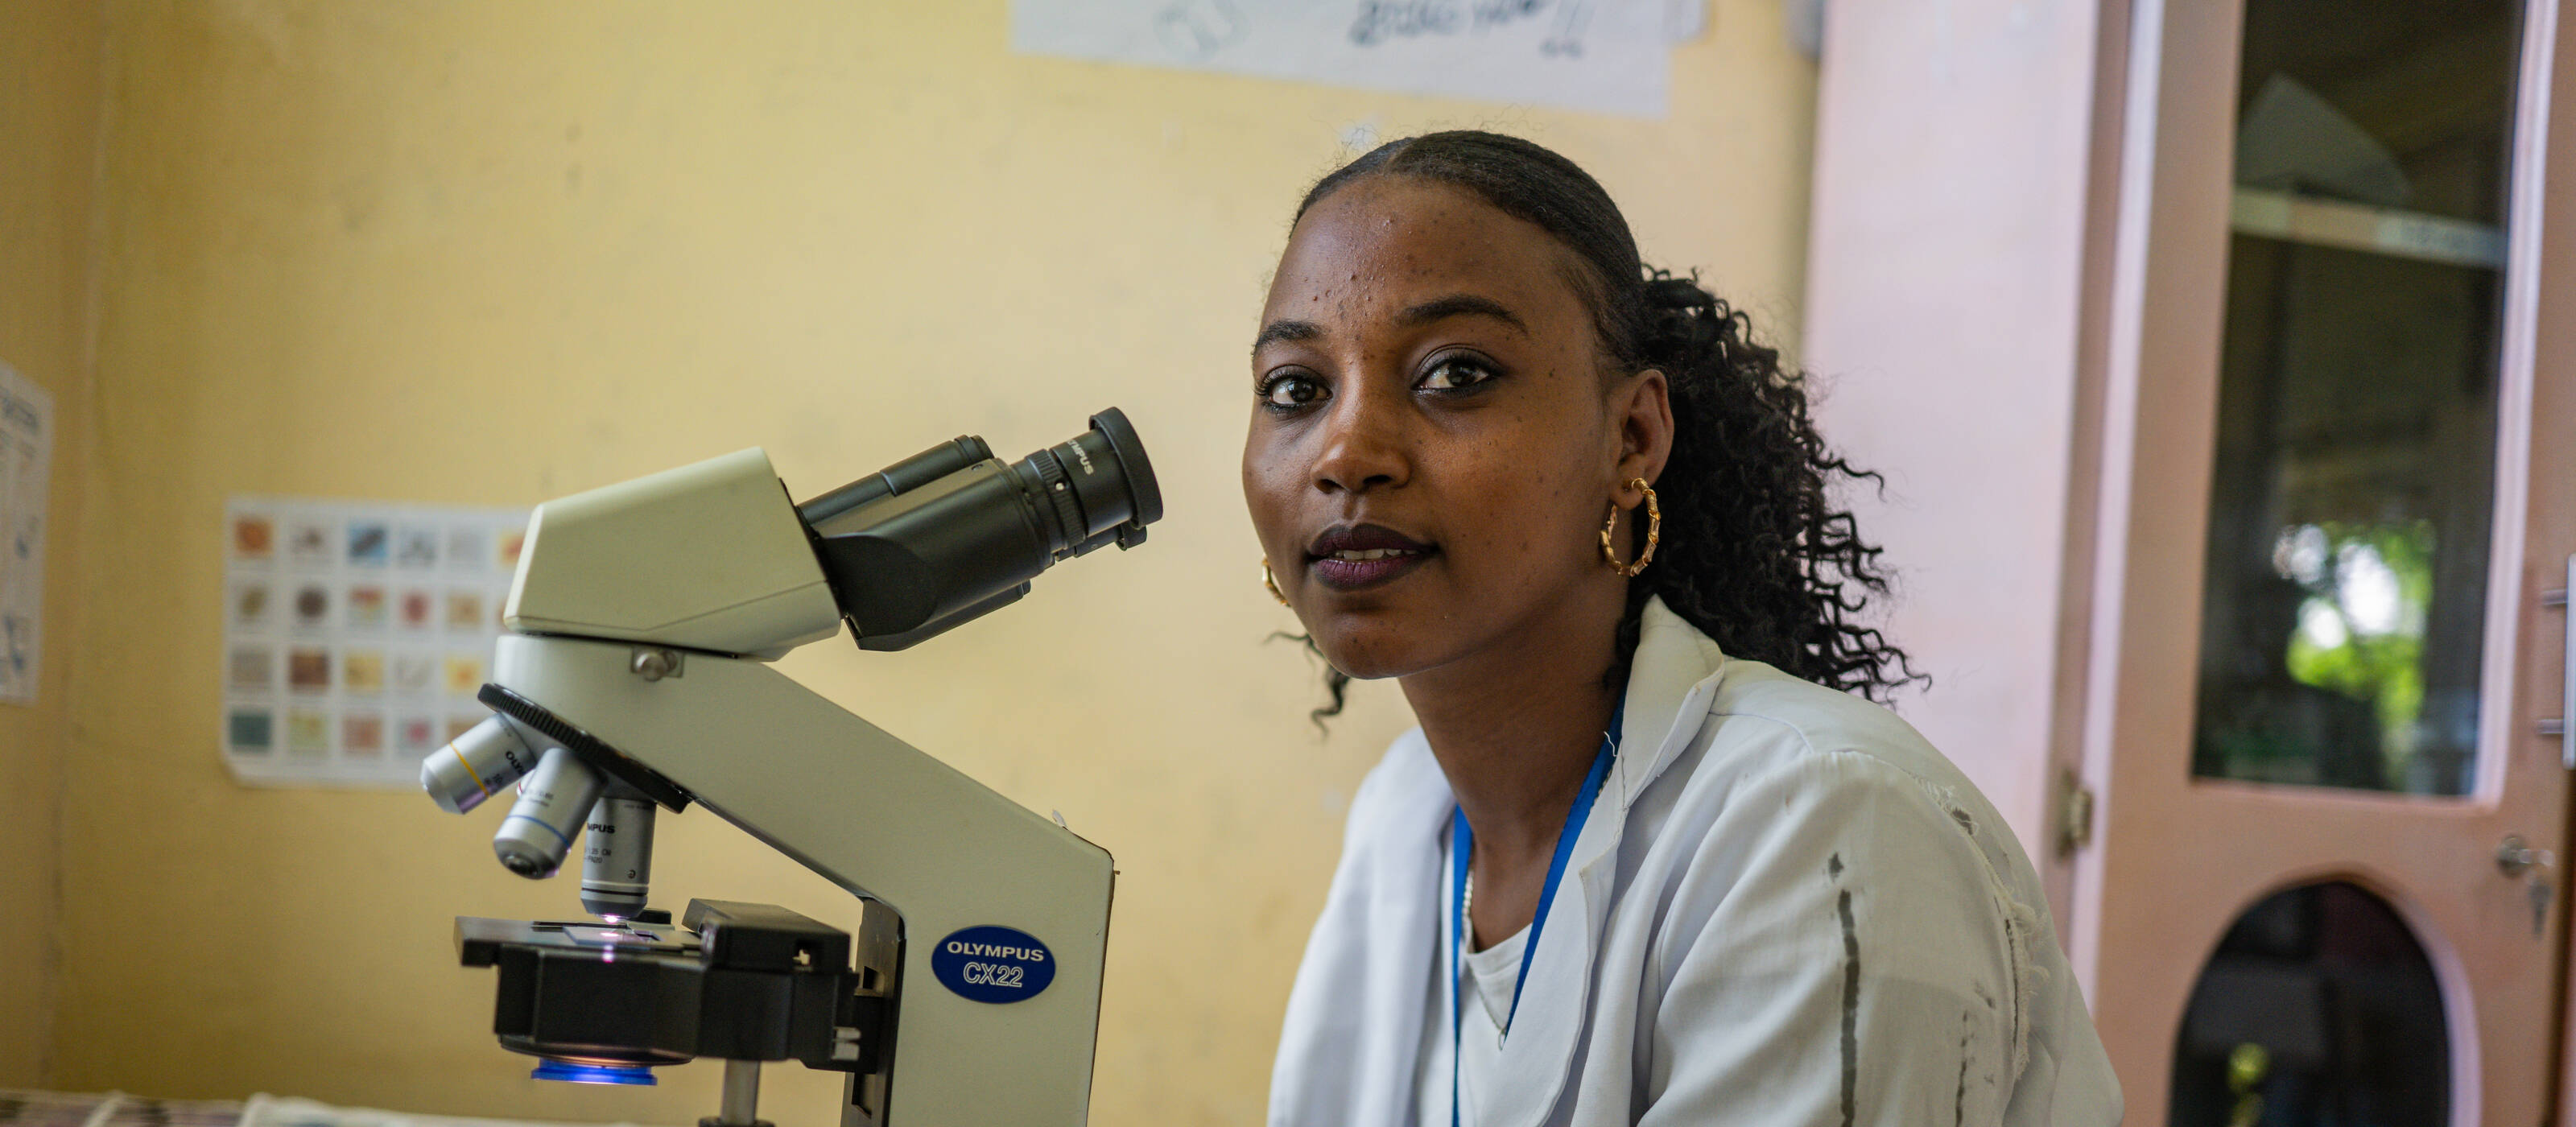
[(1515, 728)]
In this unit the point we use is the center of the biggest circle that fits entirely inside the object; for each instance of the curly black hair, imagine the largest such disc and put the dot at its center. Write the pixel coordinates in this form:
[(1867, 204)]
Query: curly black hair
[(1754, 551)]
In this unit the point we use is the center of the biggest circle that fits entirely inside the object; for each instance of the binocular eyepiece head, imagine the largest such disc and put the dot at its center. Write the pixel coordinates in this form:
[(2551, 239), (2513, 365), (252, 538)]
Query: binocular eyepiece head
[(953, 533)]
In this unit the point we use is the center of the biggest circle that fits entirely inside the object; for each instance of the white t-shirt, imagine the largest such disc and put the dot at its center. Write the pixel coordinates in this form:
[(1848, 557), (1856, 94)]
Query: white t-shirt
[(1485, 997)]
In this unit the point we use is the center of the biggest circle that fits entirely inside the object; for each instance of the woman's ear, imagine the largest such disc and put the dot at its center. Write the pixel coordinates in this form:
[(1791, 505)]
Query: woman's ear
[(1642, 409)]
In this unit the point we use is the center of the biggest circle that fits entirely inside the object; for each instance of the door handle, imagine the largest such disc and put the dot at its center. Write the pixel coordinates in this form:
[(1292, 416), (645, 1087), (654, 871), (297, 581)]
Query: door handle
[(2516, 858), (2558, 725)]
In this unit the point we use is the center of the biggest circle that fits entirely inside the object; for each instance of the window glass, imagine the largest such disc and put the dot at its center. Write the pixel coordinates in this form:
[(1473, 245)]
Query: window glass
[(2352, 496)]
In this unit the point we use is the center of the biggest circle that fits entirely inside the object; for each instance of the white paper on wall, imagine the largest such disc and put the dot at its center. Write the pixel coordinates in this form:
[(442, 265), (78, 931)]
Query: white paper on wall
[(1609, 56), (26, 449), (356, 634)]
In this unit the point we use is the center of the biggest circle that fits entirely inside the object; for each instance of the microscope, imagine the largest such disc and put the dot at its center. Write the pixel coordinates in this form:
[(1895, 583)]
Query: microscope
[(635, 677)]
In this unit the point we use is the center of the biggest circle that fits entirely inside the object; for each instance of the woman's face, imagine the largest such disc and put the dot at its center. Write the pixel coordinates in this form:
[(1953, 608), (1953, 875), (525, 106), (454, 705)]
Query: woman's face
[(1435, 440)]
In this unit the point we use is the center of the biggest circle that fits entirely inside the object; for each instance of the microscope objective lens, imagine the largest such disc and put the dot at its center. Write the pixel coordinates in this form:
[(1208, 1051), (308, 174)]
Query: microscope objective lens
[(617, 862), (477, 765), (552, 803)]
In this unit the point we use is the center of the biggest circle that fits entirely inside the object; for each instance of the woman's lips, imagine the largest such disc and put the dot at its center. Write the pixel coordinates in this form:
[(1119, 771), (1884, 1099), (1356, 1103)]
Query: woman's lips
[(1355, 557), (1344, 574)]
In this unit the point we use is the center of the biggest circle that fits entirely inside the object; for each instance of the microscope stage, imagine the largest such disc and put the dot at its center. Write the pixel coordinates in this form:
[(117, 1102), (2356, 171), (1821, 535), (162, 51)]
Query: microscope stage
[(746, 982), (479, 941)]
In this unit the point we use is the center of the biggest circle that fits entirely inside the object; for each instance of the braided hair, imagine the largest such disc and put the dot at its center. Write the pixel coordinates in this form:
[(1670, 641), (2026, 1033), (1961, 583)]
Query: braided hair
[(1754, 551)]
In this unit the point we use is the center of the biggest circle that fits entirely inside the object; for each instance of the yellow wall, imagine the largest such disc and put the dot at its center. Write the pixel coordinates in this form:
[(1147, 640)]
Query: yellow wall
[(49, 115), (491, 252)]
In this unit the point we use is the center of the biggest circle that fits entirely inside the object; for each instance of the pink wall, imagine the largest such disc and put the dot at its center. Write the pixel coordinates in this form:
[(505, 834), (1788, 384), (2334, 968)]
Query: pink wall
[(1948, 235)]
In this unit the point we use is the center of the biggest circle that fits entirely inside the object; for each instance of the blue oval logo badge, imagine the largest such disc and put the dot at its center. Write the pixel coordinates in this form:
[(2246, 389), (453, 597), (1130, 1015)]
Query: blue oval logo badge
[(993, 964)]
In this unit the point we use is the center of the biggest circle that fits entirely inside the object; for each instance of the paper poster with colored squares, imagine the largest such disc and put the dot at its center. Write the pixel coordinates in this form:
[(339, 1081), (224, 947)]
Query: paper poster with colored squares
[(26, 439), (356, 634)]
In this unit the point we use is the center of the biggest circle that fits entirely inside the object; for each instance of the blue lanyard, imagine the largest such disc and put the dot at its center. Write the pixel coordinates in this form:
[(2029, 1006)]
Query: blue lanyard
[(1462, 843)]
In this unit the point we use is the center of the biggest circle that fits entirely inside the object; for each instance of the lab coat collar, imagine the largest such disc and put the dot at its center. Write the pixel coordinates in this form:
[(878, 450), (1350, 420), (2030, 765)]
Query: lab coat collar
[(1675, 672), (1671, 678)]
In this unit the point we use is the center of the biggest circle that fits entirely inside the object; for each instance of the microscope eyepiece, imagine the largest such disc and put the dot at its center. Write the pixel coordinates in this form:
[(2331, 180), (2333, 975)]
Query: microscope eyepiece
[(1101, 487), (952, 533)]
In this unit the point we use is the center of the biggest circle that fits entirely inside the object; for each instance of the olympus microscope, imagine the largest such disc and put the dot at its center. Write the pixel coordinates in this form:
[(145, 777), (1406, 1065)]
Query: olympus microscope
[(635, 676)]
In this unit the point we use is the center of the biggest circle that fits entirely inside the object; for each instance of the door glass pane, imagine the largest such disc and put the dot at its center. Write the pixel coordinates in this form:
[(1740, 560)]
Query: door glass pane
[(2320, 1007), (2352, 498)]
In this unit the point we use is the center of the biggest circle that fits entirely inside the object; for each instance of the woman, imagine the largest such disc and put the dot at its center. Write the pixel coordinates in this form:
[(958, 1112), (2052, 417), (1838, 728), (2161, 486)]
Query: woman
[(1642, 862)]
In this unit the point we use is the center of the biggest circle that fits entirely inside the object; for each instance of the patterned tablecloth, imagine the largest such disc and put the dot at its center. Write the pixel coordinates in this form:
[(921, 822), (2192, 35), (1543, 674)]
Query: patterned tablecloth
[(117, 1109)]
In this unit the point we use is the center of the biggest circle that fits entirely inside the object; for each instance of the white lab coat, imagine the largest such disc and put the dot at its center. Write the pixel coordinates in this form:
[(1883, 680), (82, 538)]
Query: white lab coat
[(1785, 908)]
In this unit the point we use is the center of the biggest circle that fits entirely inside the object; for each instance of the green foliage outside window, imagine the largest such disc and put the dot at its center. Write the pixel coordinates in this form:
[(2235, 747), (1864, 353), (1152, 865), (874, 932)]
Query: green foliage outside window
[(2361, 630)]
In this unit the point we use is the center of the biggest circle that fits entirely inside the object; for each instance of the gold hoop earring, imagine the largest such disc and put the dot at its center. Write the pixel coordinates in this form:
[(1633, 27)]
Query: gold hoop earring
[(1271, 583), (1654, 532)]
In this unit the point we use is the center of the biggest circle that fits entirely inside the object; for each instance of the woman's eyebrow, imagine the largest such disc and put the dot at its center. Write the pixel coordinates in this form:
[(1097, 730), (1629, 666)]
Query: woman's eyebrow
[(1286, 330), (1436, 309), (1459, 305)]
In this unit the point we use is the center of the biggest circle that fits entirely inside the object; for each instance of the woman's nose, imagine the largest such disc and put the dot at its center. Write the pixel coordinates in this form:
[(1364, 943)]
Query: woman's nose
[(1363, 448)]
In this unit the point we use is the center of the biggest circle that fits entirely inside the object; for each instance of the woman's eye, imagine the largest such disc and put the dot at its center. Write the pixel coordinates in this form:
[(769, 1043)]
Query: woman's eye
[(1291, 390), (1455, 373)]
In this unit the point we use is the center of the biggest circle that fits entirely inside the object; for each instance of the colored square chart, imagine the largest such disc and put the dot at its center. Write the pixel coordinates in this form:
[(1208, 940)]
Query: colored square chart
[(356, 635)]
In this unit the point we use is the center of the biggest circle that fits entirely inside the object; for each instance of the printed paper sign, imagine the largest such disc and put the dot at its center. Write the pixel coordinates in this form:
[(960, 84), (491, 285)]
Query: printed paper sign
[(1604, 55), (356, 635), (26, 437)]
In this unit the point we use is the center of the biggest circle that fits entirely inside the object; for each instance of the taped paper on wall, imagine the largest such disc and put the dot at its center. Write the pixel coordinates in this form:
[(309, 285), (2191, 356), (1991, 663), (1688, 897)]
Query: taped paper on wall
[(1609, 56), (26, 449), (356, 634)]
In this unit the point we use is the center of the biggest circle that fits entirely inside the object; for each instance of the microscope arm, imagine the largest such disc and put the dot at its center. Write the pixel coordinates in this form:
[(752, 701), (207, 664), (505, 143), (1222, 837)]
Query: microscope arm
[(881, 820)]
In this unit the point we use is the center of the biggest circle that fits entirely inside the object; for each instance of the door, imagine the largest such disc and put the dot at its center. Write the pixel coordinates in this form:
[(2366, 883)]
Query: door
[(2338, 409)]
